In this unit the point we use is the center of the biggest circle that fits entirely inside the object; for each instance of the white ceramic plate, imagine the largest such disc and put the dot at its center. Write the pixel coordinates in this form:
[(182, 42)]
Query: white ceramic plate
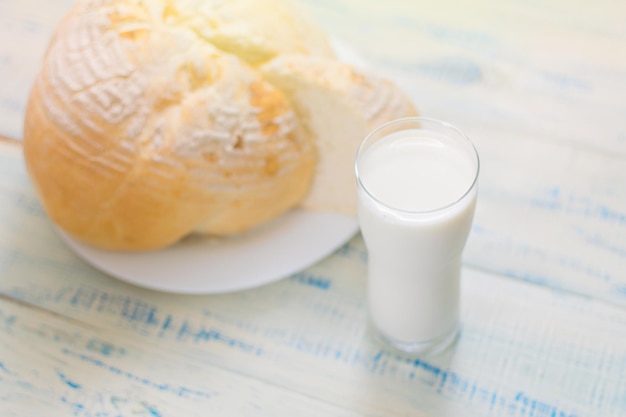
[(201, 265)]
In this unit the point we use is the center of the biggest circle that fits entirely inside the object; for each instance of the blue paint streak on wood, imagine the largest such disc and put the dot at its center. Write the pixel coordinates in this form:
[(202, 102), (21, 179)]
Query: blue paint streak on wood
[(620, 290), (450, 384), (350, 251), (138, 312), (500, 244), (312, 280), (187, 332), (531, 277), (555, 199), (477, 228), (447, 383), (154, 412), (453, 70), (179, 391), (75, 406), (67, 381), (104, 348), (596, 239), (7, 320), (148, 317)]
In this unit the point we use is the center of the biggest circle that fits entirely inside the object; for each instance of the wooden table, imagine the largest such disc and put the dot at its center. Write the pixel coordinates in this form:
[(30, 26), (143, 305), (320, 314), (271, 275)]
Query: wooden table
[(540, 87)]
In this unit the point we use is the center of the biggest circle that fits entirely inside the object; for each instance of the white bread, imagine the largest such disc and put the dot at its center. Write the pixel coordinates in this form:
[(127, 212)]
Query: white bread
[(139, 132), (338, 105), (254, 30), (152, 120)]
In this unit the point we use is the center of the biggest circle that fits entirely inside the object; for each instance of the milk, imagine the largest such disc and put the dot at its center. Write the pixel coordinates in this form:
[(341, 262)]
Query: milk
[(416, 199)]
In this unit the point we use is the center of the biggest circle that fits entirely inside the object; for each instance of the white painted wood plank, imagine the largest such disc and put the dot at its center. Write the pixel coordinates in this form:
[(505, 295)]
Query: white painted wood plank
[(525, 350), (554, 69), (25, 29), (551, 214), (53, 366)]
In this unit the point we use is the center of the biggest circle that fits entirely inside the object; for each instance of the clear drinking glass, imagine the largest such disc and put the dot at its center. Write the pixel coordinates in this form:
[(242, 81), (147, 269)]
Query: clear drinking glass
[(417, 189)]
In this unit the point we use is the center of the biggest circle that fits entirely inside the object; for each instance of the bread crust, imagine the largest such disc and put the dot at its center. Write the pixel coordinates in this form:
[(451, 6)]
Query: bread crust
[(149, 121), (138, 132)]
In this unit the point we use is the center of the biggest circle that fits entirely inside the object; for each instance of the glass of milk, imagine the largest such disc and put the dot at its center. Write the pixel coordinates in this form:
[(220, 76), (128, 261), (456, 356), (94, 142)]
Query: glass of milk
[(417, 187)]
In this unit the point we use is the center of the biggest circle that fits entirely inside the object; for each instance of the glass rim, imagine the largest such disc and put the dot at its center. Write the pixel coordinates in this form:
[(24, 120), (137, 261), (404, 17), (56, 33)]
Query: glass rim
[(417, 119)]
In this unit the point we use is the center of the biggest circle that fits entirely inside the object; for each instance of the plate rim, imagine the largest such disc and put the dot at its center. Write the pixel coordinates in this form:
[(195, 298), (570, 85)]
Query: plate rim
[(341, 236)]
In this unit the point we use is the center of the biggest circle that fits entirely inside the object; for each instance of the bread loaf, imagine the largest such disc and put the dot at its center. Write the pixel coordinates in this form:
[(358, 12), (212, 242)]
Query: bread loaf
[(138, 131), (149, 121), (338, 105)]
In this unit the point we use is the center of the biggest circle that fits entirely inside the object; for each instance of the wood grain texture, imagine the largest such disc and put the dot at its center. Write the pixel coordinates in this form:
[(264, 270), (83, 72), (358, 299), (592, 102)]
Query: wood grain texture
[(538, 86), (553, 69), (551, 214), (525, 350), (25, 29), (57, 366)]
